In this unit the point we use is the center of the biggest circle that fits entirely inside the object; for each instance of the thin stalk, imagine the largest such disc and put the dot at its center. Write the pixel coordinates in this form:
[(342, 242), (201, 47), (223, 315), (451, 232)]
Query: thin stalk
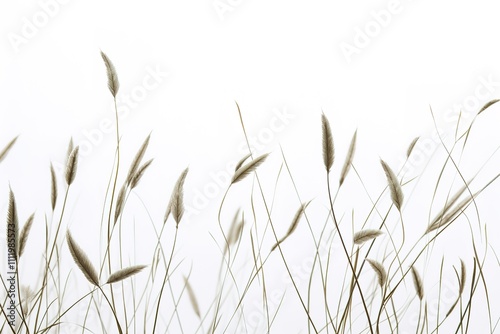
[(115, 181), (367, 312), (165, 280)]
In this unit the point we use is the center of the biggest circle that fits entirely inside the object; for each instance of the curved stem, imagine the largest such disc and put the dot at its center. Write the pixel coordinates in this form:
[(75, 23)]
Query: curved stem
[(112, 310), (347, 254), (165, 279)]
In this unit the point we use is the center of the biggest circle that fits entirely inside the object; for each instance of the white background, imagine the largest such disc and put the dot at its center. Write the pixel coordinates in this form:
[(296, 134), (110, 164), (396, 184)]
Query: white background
[(272, 57)]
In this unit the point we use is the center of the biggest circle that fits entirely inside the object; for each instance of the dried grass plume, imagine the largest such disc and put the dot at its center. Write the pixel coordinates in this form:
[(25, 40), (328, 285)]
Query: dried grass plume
[(25, 231), (71, 166), (113, 83), (394, 186), (125, 273), (245, 170), (176, 204), (365, 235), (380, 271), (417, 282), (328, 148), (82, 261), (7, 148), (349, 158)]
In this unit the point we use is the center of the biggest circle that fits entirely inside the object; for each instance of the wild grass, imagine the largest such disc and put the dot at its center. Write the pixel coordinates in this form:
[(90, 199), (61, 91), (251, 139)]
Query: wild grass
[(365, 273)]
